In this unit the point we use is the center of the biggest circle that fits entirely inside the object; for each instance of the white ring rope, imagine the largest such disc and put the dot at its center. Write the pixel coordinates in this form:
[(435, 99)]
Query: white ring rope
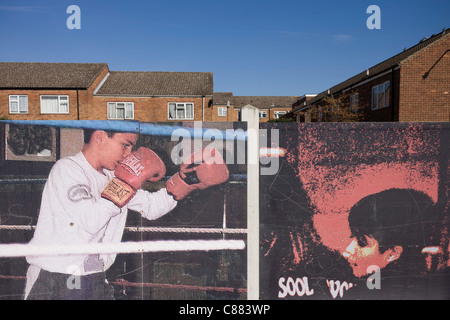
[(23, 250), (148, 229)]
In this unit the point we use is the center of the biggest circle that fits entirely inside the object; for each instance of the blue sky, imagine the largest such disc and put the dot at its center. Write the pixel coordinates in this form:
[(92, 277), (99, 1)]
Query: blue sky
[(253, 47)]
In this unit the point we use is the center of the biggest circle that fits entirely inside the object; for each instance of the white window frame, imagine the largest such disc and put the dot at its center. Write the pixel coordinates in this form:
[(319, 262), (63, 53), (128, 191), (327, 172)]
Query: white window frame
[(354, 102), (20, 108), (59, 103), (115, 106), (380, 99), (263, 114), (222, 111), (180, 106), (277, 114)]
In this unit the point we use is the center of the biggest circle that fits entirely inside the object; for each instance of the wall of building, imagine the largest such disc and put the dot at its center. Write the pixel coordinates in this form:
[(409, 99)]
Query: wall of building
[(425, 84), (271, 113), (148, 108), (389, 113), (232, 114), (34, 104)]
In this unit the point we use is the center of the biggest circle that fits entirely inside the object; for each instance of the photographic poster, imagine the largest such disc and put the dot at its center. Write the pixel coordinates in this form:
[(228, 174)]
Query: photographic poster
[(356, 211), (57, 203)]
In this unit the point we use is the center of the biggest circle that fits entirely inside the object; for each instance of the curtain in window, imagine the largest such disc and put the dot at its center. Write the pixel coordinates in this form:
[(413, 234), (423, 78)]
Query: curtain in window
[(63, 104), (180, 113), (380, 99), (387, 90), (13, 104), (129, 112), (120, 111), (111, 110), (23, 104), (374, 97), (172, 111), (189, 111), (49, 104)]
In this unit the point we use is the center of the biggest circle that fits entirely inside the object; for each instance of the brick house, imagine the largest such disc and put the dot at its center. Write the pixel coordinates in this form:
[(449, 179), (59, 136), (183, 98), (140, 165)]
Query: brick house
[(413, 85), (48, 91), (89, 91), (227, 107), (155, 96)]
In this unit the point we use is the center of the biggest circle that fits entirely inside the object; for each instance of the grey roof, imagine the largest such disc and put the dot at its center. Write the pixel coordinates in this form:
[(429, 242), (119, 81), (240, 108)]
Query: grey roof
[(37, 75), (261, 102), (150, 83), (264, 102), (382, 66), (222, 98)]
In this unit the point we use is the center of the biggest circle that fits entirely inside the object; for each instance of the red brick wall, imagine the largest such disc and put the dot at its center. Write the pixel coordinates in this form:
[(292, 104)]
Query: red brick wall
[(271, 113), (79, 102), (232, 114), (425, 84), (148, 108), (385, 114), (34, 105), (83, 105), (87, 104)]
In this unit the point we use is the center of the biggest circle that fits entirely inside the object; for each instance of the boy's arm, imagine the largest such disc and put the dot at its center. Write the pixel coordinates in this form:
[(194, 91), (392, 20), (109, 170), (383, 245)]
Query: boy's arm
[(152, 205), (68, 192)]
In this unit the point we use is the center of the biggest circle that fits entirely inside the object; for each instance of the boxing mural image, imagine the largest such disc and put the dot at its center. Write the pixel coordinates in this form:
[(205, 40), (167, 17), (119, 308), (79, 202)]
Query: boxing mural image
[(356, 211), (127, 210), (113, 217)]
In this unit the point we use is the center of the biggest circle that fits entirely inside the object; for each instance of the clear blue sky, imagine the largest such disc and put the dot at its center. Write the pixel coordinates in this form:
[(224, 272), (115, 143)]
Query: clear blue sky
[(253, 47)]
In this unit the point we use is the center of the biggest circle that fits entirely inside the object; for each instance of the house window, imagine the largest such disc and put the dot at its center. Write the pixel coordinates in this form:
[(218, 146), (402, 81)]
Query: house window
[(278, 114), (120, 110), (180, 111), (222, 111), (18, 104), (263, 114), (354, 102), (55, 104), (380, 96)]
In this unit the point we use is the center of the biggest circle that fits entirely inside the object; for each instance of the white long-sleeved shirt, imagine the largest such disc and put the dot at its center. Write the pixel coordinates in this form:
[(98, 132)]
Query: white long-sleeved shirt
[(73, 212)]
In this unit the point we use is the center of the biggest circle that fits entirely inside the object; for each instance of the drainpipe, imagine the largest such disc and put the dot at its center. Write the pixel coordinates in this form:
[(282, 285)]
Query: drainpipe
[(203, 108), (78, 106), (392, 96)]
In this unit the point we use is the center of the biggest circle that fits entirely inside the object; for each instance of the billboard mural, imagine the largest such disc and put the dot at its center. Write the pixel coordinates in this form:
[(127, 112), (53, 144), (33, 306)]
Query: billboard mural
[(347, 210), (122, 210), (356, 211)]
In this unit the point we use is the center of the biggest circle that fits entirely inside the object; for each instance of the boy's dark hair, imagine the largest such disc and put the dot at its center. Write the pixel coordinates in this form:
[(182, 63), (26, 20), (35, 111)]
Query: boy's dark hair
[(393, 217), (88, 134)]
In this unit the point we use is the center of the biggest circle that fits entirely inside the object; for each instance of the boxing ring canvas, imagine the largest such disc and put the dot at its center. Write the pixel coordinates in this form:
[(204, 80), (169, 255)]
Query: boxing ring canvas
[(356, 211), (195, 252)]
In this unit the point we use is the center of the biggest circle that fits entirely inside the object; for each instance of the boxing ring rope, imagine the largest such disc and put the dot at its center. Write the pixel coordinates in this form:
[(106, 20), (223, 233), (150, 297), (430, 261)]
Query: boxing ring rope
[(149, 229), (126, 283), (22, 250)]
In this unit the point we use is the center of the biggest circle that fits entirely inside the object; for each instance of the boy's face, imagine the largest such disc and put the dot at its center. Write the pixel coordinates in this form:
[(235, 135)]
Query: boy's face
[(361, 256), (116, 148)]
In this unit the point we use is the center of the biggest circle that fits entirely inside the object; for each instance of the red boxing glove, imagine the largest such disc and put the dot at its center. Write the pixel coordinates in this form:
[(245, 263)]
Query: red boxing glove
[(211, 171), (138, 167)]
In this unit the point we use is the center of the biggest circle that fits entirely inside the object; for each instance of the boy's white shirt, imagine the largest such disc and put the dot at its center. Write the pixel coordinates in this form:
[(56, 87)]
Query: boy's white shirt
[(73, 212)]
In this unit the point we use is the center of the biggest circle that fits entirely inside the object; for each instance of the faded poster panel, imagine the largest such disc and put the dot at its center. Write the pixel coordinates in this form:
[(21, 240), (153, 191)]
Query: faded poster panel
[(356, 211), (31, 150)]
